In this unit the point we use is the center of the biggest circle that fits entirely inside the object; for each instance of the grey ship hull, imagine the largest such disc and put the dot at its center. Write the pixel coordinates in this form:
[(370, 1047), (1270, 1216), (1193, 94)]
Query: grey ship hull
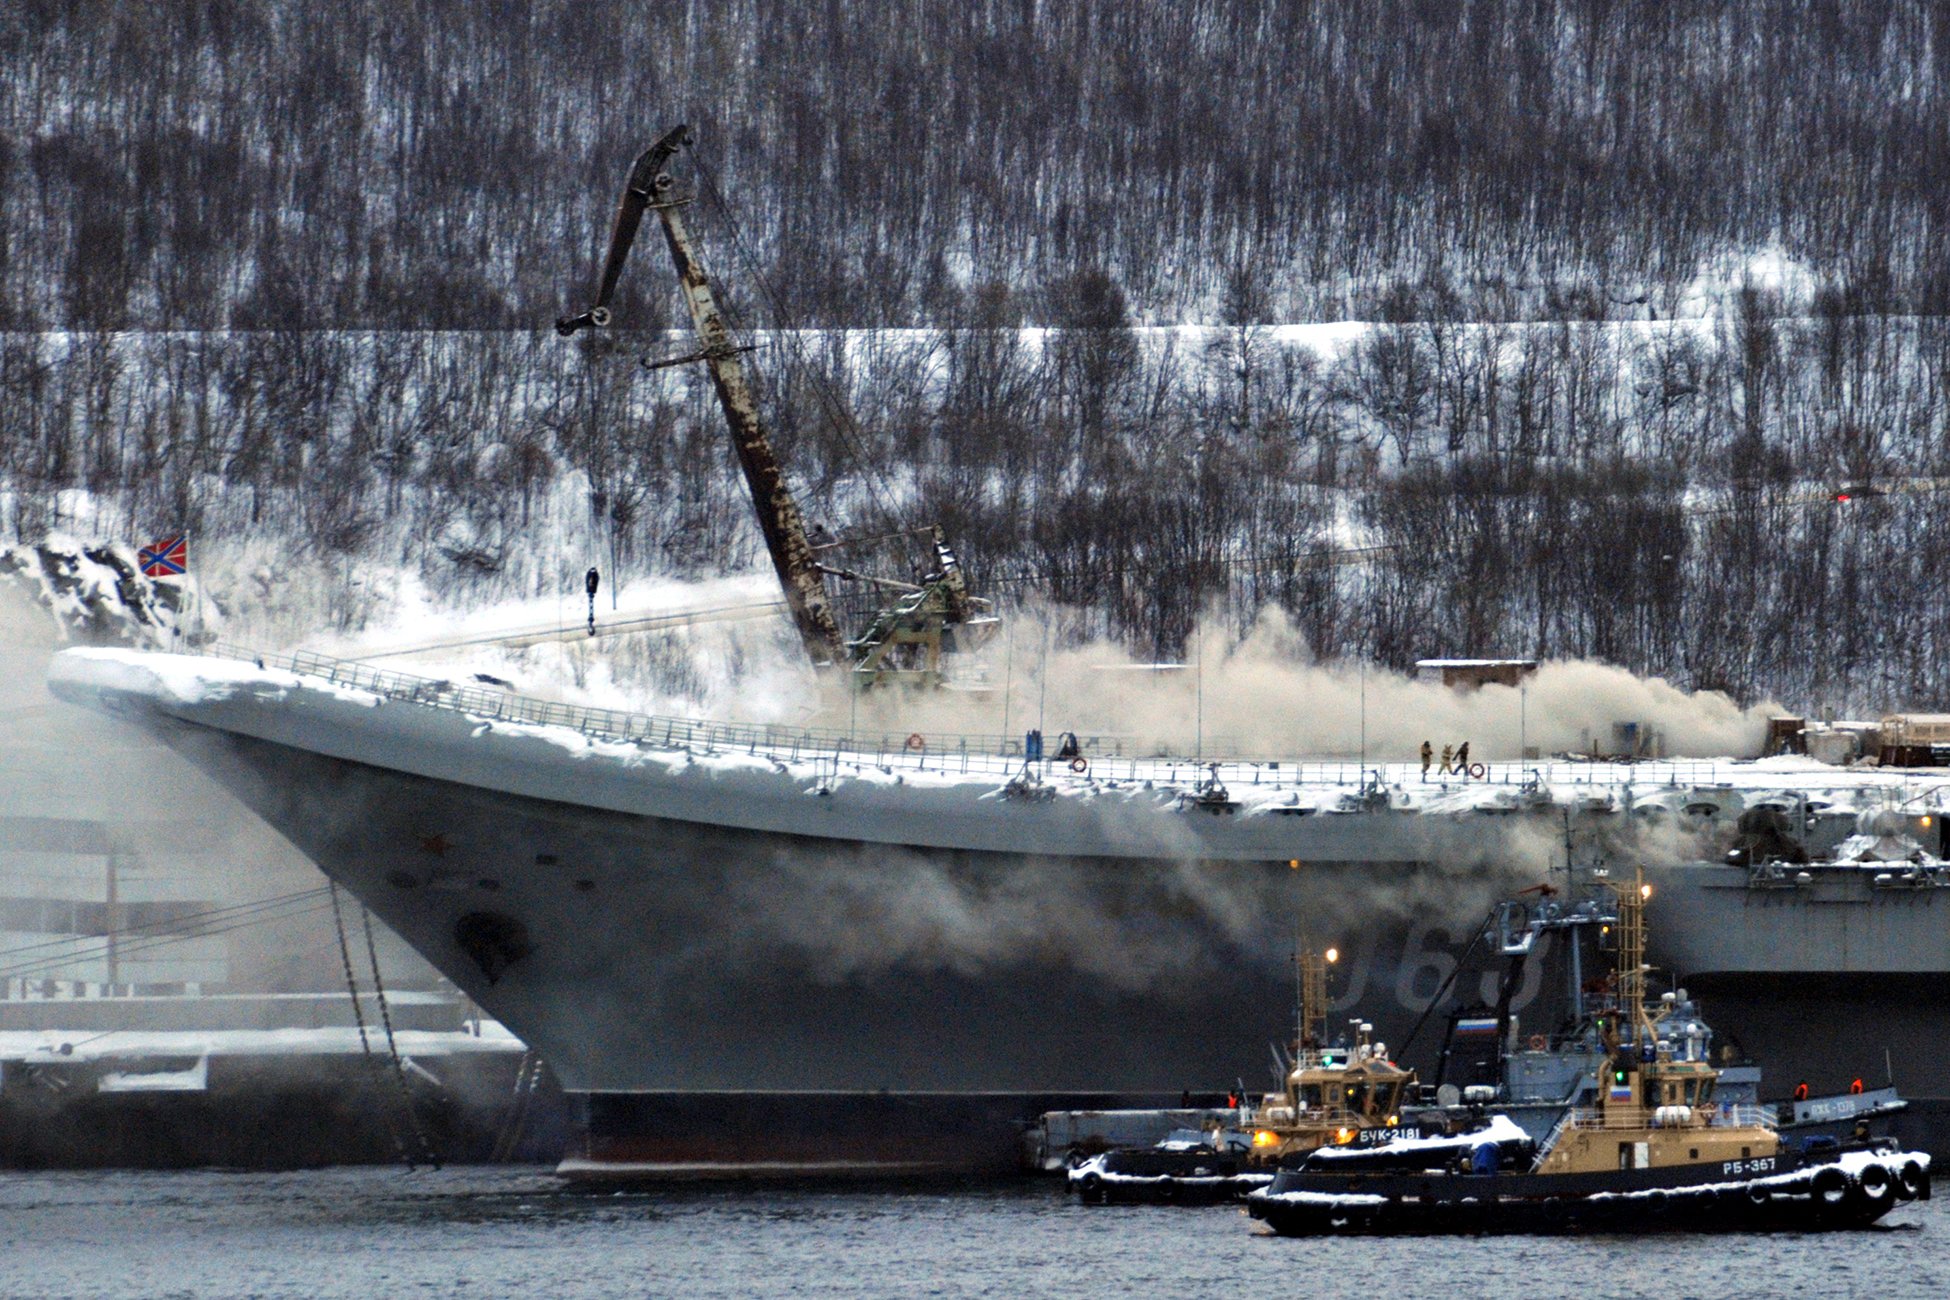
[(1840, 977), (916, 960)]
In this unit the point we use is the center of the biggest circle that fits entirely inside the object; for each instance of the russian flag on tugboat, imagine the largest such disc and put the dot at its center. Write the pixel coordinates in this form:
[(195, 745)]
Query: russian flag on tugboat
[(1476, 1025), (1621, 1091)]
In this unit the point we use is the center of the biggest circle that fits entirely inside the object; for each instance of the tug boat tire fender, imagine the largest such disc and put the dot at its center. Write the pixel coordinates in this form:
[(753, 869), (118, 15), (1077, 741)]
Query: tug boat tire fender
[(1914, 1181), (1829, 1186), (1873, 1185)]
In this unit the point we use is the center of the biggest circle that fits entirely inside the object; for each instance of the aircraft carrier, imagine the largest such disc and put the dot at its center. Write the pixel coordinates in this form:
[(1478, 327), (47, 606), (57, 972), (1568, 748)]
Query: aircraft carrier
[(853, 957)]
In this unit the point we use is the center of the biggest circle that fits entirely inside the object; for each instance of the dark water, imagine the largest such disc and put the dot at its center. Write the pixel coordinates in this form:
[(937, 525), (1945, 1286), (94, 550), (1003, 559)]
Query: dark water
[(493, 1232)]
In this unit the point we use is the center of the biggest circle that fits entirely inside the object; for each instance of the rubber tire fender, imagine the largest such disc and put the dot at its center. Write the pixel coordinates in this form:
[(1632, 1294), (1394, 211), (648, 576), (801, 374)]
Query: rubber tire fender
[(1875, 1184), (1913, 1181), (1829, 1186)]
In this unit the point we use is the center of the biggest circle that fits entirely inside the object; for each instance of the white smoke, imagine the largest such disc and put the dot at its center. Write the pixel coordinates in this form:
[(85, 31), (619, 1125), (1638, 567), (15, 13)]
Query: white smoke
[(1265, 696)]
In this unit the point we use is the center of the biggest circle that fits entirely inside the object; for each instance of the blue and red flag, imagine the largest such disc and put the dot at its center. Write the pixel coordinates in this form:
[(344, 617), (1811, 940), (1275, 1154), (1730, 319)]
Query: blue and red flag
[(168, 558)]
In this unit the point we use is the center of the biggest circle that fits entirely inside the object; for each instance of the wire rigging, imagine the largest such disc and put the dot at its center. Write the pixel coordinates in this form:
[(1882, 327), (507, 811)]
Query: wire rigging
[(216, 920), (98, 951)]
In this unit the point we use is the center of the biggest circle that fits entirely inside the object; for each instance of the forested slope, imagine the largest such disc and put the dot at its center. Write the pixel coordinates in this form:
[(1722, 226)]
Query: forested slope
[(1641, 284)]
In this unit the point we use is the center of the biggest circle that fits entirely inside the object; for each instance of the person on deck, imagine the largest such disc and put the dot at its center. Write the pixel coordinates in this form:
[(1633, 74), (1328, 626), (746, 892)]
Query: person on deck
[(1462, 758), (1428, 756), (1448, 760)]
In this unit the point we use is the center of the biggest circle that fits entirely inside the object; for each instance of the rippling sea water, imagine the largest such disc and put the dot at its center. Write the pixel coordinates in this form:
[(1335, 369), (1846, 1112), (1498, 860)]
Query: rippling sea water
[(492, 1232)]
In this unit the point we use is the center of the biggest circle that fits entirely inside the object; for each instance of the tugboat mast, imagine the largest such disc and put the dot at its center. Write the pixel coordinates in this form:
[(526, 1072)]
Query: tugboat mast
[(1631, 955), (1310, 974)]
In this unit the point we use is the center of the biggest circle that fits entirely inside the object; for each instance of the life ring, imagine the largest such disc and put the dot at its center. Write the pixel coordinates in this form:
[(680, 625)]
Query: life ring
[(1855, 1088), (1079, 764), (915, 740), (1539, 1043), (1801, 1092), (1478, 771)]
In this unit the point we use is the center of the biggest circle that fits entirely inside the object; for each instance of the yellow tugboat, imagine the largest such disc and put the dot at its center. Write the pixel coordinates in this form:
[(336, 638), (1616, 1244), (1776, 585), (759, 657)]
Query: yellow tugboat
[(1657, 1151), (1333, 1095)]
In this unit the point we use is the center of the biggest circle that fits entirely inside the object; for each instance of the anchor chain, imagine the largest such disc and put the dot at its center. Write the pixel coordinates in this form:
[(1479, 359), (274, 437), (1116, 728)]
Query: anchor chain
[(392, 1047), (359, 1018)]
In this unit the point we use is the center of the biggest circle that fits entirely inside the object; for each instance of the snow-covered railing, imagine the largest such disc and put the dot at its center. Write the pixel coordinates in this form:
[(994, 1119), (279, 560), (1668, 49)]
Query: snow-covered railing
[(488, 701), (1107, 757)]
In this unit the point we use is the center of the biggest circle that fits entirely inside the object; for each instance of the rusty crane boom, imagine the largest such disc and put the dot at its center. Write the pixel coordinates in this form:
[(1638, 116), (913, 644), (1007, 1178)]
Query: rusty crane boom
[(903, 641)]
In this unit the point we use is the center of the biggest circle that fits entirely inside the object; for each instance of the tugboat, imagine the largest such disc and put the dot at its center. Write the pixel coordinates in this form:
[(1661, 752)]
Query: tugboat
[(1657, 1151), (1488, 1064), (1339, 1095)]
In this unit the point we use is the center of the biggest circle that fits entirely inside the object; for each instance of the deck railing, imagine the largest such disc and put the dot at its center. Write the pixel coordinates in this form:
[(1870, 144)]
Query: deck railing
[(1626, 1117), (1108, 757)]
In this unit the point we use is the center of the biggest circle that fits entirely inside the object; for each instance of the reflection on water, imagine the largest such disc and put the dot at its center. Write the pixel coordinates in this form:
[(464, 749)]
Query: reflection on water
[(489, 1232)]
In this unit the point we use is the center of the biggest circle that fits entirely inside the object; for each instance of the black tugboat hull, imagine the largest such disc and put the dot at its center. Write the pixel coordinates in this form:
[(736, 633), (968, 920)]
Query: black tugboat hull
[(1852, 1191), (1154, 1177)]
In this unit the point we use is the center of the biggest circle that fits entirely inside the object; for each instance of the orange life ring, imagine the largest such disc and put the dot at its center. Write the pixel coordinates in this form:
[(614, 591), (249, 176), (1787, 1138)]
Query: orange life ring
[(1539, 1043), (915, 740), (1855, 1088), (1079, 764), (1478, 771), (1801, 1092)]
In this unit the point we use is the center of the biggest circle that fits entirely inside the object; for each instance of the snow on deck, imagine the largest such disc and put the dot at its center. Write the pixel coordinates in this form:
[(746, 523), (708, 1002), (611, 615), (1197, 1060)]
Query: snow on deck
[(822, 761), (59, 1047)]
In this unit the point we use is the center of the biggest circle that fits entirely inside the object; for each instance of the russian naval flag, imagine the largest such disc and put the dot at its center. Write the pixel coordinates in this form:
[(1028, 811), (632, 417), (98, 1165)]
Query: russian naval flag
[(1472, 1025), (167, 558)]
